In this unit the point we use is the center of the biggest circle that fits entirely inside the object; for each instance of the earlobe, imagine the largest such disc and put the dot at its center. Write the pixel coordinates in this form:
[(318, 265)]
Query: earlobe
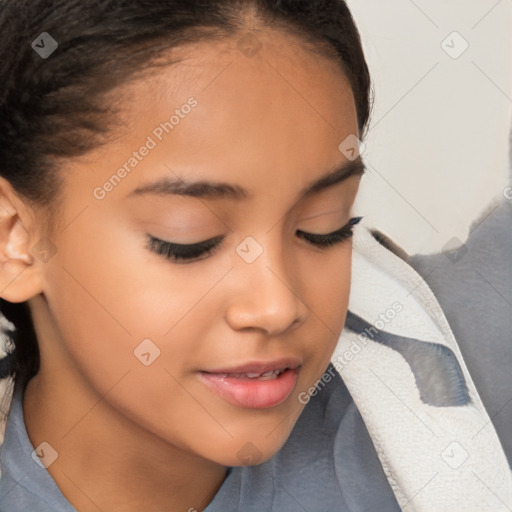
[(20, 271)]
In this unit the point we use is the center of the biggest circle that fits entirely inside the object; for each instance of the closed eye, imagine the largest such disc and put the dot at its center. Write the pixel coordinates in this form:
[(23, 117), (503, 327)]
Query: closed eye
[(332, 238), (197, 252)]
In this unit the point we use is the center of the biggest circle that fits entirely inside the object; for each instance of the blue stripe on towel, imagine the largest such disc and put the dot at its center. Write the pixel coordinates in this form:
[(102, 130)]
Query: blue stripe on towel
[(438, 374)]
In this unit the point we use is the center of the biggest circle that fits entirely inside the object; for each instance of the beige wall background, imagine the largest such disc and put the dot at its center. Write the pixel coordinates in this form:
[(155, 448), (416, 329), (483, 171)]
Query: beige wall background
[(437, 149)]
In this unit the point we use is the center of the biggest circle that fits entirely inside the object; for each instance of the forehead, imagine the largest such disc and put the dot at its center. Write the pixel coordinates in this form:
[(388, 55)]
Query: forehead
[(276, 115), (267, 69)]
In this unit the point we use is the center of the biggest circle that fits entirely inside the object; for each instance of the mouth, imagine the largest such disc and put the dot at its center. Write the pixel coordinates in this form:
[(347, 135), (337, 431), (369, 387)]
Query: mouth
[(254, 385)]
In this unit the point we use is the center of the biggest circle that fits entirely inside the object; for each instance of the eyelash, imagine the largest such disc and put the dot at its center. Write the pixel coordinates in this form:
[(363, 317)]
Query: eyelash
[(191, 253)]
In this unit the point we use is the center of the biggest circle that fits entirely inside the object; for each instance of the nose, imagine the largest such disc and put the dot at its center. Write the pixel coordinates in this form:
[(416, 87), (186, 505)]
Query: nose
[(265, 295)]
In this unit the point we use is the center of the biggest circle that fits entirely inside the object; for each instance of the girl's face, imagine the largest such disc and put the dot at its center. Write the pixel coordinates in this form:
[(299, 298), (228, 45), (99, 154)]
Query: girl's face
[(174, 346)]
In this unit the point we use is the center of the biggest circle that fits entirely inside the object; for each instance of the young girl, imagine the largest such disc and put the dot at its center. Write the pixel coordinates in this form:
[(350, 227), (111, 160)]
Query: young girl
[(177, 182)]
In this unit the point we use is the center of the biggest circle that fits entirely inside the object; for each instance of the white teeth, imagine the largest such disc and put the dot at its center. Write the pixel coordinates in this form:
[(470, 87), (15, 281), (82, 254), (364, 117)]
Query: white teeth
[(272, 374)]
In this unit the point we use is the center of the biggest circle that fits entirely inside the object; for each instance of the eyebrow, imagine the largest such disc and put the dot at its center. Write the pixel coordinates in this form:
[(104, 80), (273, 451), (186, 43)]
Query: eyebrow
[(214, 190)]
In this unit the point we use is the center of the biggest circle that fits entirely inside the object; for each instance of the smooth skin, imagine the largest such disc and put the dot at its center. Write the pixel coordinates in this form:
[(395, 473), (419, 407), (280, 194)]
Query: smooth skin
[(132, 437)]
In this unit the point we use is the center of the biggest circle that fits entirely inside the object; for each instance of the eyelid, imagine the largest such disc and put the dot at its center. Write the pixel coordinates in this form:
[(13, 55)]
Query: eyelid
[(322, 214), (217, 239), (204, 243), (183, 254), (351, 223)]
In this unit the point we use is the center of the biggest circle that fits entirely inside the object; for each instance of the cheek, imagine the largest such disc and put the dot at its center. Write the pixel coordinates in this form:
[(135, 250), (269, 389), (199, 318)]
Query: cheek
[(328, 288), (327, 298), (122, 325), (103, 269), (95, 292), (114, 303)]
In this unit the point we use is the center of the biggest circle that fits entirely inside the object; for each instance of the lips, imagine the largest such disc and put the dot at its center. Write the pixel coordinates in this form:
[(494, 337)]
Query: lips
[(256, 385)]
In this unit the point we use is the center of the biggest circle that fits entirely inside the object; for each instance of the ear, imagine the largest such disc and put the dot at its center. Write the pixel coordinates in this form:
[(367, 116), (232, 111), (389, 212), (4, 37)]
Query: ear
[(20, 269)]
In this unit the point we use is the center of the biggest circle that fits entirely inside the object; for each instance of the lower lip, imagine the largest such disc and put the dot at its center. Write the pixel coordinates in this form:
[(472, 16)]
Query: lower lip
[(252, 393)]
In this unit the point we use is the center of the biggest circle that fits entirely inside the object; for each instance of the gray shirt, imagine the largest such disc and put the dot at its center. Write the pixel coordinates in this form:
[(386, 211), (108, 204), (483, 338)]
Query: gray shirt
[(474, 287), (327, 464)]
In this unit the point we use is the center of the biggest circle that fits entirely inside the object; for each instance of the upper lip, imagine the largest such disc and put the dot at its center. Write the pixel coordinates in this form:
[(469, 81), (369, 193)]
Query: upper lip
[(260, 366)]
